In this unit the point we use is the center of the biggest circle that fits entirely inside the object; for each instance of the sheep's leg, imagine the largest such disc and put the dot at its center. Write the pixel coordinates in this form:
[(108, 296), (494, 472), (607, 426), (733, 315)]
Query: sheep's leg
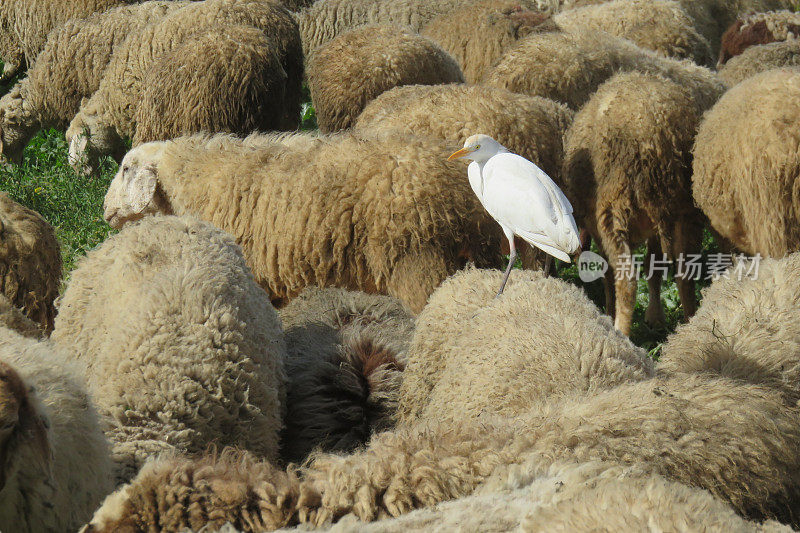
[(654, 315), (608, 280), (512, 258), (548, 264), (688, 239), (624, 274)]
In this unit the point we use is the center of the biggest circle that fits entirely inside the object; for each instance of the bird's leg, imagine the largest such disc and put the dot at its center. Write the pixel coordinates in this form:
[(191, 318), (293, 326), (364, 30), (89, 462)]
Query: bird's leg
[(511, 260)]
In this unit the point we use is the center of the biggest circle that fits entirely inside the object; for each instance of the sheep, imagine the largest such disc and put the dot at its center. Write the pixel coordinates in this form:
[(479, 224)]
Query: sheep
[(232, 79), (346, 352), (746, 167), (110, 114), (569, 68), (746, 329), (662, 26), (30, 262), (324, 20), (627, 169), (55, 466), (349, 210), (479, 34), (591, 496), (351, 70), (760, 58), (198, 357), (546, 339), (758, 28), (24, 25), (530, 126), (12, 318), (69, 69), (734, 440)]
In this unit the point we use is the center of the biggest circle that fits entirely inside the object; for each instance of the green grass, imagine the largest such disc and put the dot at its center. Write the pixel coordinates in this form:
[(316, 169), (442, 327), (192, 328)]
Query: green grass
[(73, 205)]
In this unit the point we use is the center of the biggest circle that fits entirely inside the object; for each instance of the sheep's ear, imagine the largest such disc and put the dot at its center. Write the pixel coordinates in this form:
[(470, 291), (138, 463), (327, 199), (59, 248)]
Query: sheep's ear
[(142, 189)]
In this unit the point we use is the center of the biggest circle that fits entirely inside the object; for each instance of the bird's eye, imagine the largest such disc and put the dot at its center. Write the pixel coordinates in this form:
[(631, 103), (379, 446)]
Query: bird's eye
[(477, 146)]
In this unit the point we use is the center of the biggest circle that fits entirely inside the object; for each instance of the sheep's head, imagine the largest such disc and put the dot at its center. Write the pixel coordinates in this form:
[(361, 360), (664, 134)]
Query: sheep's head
[(21, 426), (134, 192), (89, 139), (16, 127)]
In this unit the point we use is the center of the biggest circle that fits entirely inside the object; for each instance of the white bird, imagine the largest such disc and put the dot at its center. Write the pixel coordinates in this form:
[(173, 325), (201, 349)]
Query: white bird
[(521, 198)]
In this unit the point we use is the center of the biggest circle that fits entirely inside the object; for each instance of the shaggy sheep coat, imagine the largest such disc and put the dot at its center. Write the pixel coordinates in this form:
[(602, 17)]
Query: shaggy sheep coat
[(569, 68), (478, 35), (25, 24), (758, 28), (746, 165), (659, 25), (377, 212), (627, 169), (30, 262), (182, 348), (55, 462), (110, 114), (473, 355), (351, 70), (735, 440), (758, 59), (746, 329), (324, 20), (12, 318), (232, 78), (69, 69), (346, 352), (593, 496)]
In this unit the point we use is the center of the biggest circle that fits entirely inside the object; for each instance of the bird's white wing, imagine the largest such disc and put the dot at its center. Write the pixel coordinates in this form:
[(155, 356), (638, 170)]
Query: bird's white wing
[(519, 195)]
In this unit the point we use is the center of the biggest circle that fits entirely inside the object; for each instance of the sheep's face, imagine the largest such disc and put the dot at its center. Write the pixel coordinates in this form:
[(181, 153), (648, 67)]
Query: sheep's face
[(134, 192), (89, 140), (20, 425)]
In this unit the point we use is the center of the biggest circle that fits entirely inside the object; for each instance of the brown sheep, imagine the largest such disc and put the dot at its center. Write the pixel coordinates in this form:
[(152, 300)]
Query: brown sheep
[(351, 70), (760, 58), (661, 25), (735, 440), (478, 35), (758, 28), (14, 319), (627, 168), (569, 67), (346, 352), (746, 329), (527, 125), (746, 165), (379, 212), (30, 262), (232, 78), (474, 356)]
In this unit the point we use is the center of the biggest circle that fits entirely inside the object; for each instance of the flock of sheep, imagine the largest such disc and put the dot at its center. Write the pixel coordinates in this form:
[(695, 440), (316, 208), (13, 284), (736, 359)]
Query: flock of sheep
[(297, 329)]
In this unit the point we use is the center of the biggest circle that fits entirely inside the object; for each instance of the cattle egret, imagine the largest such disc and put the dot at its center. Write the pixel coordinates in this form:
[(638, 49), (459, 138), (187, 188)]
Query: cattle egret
[(521, 198)]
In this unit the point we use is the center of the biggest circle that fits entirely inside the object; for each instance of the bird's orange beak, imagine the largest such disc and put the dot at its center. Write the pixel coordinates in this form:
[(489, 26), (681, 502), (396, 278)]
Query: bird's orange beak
[(460, 153)]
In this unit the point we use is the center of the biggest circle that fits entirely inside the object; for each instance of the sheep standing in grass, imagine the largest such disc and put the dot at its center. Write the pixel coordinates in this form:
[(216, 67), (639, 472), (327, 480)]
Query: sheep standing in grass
[(24, 25), (537, 354), (660, 25), (69, 69), (182, 348), (758, 28), (746, 329), (55, 465), (746, 165), (346, 352), (30, 262), (735, 440), (627, 168), (760, 58), (569, 68), (110, 114), (380, 212), (371, 60), (478, 35)]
